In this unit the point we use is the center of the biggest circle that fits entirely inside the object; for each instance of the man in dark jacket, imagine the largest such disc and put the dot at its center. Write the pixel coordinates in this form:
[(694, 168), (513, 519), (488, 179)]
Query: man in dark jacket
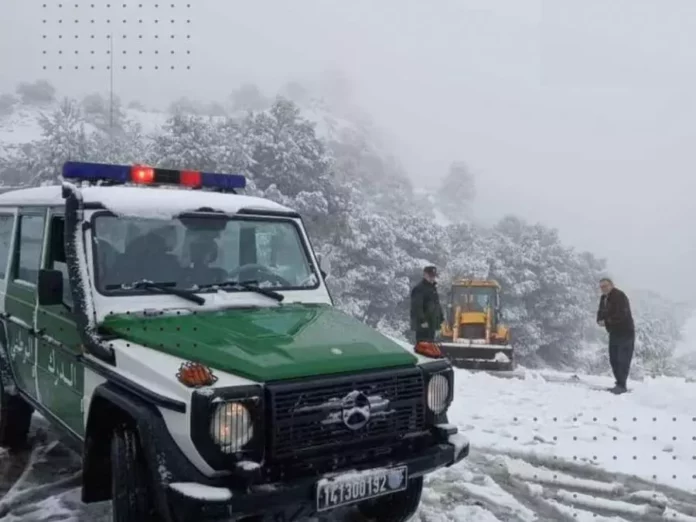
[(426, 312), (614, 314)]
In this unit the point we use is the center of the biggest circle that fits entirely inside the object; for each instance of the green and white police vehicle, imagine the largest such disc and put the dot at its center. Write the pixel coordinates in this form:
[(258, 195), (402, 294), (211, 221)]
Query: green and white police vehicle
[(181, 337)]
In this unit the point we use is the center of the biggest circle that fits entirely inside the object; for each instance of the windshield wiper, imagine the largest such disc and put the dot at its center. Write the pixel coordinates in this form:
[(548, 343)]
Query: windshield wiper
[(165, 288), (250, 286)]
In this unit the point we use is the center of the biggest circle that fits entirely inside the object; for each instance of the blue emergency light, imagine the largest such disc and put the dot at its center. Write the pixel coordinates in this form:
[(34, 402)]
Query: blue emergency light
[(144, 175)]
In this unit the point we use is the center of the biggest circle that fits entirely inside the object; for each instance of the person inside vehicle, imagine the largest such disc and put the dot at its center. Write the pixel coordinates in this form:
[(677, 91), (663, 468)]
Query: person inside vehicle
[(203, 253), (478, 303), (149, 257)]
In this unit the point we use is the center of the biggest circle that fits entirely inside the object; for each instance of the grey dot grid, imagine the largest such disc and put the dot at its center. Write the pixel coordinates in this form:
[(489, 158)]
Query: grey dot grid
[(552, 473), (660, 423), (79, 39)]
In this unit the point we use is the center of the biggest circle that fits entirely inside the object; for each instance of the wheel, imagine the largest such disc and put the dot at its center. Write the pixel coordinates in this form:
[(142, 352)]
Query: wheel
[(15, 419), (397, 507), (130, 487)]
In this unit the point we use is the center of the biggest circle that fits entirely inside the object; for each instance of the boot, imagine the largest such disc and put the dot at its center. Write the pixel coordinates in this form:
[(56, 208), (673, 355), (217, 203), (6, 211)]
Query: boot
[(618, 390)]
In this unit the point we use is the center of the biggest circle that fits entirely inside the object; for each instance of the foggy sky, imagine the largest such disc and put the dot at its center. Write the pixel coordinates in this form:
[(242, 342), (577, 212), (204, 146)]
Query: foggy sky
[(576, 113)]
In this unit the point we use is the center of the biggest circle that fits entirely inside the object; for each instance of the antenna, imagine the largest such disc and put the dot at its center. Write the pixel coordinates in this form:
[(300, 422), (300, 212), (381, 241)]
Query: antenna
[(111, 86)]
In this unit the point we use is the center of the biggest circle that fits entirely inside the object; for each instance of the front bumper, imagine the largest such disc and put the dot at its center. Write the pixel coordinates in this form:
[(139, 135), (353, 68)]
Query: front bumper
[(200, 502), (478, 356)]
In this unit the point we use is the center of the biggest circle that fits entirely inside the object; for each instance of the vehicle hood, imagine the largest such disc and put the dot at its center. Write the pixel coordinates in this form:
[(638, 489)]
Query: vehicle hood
[(266, 344)]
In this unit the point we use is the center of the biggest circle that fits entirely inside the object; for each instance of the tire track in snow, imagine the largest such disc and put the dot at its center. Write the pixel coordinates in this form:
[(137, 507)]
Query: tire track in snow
[(12, 466), (42, 485), (556, 489)]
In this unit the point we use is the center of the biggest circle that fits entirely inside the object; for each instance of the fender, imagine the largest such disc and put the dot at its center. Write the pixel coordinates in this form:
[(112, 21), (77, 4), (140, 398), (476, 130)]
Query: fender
[(112, 407)]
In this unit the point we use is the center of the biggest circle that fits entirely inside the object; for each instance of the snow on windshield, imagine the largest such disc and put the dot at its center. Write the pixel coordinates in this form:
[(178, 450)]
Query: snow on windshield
[(200, 252)]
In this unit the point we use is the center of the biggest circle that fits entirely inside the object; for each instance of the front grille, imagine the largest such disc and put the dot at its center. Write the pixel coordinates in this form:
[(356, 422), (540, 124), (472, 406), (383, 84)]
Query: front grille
[(472, 331), (307, 417)]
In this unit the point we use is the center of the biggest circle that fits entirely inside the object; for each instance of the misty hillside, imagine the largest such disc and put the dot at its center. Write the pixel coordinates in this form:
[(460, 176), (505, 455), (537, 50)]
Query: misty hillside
[(331, 163)]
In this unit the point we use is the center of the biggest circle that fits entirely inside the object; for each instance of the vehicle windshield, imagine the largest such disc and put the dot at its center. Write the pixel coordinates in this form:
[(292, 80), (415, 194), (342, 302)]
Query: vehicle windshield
[(473, 299), (201, 252)]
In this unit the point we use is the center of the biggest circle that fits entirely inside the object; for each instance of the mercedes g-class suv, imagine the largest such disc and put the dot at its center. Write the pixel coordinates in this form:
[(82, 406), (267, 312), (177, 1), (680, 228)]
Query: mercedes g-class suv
[(182, 337)]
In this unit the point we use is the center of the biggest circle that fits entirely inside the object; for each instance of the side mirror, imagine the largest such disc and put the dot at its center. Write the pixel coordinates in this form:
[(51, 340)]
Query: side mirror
[(324, 266), (50, 287)]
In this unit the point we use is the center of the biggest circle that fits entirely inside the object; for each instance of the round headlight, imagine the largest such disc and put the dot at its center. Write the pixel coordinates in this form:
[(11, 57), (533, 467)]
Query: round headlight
[(438, 390), (231, 427)]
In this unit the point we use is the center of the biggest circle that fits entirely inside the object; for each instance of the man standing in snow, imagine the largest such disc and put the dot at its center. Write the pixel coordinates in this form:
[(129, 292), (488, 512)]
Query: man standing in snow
[(615, 315), (426, 312)]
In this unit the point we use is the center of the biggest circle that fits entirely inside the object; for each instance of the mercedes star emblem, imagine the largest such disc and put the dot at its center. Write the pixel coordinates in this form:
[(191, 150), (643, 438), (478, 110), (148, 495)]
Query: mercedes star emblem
[(356, 410)]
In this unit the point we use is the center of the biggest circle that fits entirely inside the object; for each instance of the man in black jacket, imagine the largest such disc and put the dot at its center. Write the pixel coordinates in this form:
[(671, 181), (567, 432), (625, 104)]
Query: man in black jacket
[(614, 314), (426, 312)]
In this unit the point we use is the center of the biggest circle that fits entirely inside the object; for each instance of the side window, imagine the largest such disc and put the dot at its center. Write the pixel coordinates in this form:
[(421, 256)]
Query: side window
[(6, 225), (56, 255), (31, 229), (278, 247)]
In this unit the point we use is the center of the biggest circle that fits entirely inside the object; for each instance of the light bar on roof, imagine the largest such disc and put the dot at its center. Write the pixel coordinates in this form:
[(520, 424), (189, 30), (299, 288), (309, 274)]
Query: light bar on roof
[(144, 175)]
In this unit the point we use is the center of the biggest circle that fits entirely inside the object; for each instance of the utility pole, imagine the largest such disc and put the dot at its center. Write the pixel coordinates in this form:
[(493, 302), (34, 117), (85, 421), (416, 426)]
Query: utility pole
[(111, 87)]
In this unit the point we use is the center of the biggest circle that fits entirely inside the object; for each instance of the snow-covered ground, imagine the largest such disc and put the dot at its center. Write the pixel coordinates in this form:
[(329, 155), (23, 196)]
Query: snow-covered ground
[(546, 446), (554, 446)]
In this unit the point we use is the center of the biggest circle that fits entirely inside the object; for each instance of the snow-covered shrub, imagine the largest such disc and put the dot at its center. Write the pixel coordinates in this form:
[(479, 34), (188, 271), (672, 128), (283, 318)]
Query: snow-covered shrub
[(7, 104), (40, 92), (363, 214)]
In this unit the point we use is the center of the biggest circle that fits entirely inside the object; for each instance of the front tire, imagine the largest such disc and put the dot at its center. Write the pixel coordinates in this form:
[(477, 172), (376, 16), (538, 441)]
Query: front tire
[(397, 507), (15, 419), (130, 487)]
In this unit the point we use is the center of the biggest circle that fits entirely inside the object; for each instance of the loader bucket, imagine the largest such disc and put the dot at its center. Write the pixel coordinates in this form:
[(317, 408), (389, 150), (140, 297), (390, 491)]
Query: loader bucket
[(479, 356)]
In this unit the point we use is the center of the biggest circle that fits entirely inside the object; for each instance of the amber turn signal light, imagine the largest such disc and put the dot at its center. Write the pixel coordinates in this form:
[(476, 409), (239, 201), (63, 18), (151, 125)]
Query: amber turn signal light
[(427, 349), (194, 375)]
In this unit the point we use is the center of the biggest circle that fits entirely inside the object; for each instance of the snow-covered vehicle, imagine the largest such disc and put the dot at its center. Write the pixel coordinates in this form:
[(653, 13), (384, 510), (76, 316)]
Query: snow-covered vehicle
[(182, 338)]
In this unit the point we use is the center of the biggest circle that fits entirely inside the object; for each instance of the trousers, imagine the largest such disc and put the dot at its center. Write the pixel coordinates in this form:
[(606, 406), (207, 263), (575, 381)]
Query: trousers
[(620, 355), (424, 334)]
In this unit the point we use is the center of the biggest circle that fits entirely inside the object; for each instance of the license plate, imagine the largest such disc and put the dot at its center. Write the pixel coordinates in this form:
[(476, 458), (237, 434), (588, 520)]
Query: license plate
[(358, 486)]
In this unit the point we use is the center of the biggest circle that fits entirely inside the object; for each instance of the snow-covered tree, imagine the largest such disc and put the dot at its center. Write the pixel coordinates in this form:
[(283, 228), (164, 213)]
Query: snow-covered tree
[(362, 213), (204, 143), (127, 147), (286, 150), (105, 114), (296, 92), (136, 105), (457, 192), (248, 97), (186, 107), (548, 291), (658, 324), (40, 92), (63, 138), (7, 103)]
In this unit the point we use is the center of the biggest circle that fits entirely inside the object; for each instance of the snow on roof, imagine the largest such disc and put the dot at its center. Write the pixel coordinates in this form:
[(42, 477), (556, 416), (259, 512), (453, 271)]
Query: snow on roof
[(144, 202)]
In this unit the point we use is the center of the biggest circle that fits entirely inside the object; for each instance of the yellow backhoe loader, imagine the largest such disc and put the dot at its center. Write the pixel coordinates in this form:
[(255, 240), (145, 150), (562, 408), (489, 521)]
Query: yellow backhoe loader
[(472, 336)]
